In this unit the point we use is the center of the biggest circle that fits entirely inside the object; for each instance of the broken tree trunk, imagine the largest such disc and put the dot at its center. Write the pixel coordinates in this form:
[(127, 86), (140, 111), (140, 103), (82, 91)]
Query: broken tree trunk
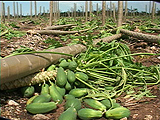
[(18, 71), (146, 37), (57, 27)]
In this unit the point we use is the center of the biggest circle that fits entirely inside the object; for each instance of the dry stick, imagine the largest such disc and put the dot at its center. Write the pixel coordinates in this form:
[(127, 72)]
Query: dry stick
[(146, 37), (58, 27), (32, 78)]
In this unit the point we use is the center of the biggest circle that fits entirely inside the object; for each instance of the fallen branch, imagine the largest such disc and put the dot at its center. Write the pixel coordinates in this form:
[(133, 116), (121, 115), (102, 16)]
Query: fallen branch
[(58, 27), (146, 37)]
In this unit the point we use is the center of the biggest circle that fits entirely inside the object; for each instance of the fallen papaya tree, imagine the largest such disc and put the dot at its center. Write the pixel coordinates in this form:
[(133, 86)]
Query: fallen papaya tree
[(146, 37), (155, 29), (56, 27), (56, 32), (16, 67)]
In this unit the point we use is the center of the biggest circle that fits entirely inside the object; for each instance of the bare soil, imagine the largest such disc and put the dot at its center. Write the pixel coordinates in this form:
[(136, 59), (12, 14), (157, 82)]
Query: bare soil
[(143, 109)]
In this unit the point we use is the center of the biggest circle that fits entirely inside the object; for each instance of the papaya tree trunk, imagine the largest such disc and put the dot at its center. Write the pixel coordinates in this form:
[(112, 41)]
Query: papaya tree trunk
[(17, 68), (56, 27), (146, 37), (120, 13), (55, 32)]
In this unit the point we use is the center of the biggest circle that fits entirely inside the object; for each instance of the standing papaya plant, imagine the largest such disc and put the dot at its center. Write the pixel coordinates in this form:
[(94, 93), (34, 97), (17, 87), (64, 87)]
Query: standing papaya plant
[(35, 8), (51, 13), (30, 9), (3, 13), (14, 13), (120, 13), (126, 11), (103, 12), (153, 11), (86, 11)]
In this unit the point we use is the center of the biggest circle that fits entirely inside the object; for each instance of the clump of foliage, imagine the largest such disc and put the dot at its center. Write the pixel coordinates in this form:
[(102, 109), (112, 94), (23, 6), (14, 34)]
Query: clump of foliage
[(52, 43), (8, 32)]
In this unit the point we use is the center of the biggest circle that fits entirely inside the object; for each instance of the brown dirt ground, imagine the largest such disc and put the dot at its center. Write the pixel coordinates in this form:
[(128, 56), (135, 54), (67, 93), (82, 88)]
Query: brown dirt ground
[(143, 109)]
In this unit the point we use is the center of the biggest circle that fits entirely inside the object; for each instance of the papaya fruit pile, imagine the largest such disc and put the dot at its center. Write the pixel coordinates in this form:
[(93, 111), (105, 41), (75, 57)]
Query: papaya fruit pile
[(69, 88)]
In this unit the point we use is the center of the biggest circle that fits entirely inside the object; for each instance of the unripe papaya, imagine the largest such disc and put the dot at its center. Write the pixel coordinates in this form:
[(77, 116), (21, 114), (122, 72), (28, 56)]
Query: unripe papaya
[(117, 113), (87, 114), (61, 77)]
